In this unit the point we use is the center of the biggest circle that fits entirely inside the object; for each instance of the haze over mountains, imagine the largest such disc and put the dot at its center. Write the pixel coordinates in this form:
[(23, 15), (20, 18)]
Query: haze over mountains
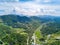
[(17, 29)]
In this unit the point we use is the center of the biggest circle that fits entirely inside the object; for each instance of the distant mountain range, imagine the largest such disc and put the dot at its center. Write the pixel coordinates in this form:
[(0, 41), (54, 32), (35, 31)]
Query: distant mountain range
[(12, 18), (22, 18)]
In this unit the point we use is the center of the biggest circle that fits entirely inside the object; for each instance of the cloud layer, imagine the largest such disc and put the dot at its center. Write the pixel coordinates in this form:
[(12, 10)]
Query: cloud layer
[(31, 7)]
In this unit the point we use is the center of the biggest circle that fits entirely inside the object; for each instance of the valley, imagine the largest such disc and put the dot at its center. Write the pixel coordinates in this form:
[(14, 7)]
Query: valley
[(33, 30)]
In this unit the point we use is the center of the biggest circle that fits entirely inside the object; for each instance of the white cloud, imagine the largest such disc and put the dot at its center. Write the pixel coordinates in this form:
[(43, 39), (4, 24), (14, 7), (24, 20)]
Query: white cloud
[(34, 9), (30, 9)]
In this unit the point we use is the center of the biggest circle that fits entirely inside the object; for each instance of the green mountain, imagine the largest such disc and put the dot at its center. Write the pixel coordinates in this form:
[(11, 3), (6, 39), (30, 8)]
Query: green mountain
[(16, 30)]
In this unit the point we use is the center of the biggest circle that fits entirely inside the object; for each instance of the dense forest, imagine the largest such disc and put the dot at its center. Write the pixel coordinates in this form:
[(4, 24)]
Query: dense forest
[(33, 30)]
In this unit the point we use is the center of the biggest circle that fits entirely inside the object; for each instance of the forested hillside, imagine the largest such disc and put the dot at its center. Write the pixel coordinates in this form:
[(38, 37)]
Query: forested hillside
[(20, 30)]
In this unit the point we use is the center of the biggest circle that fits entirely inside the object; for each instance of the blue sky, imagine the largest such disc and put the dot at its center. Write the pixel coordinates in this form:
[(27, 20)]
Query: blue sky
[(43, 1), (30, 7)]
